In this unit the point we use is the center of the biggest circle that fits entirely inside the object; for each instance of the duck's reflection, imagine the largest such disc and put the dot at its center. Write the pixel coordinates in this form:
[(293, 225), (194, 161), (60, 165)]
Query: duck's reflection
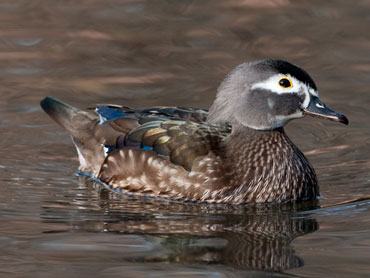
[(253, 237), (260, 242), (247, 237)]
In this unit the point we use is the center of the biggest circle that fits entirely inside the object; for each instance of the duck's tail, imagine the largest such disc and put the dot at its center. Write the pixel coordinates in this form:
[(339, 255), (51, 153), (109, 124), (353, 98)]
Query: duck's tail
[(81, 126)]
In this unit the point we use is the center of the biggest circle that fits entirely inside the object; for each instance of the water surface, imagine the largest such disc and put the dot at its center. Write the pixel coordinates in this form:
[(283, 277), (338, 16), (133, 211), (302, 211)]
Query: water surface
[(143, 53)]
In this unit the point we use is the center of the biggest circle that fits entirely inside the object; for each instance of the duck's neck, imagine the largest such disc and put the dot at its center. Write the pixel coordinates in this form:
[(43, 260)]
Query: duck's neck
[(267, 166)]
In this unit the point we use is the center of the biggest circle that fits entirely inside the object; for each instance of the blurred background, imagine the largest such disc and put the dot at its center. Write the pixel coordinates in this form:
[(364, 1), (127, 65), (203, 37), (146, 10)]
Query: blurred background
[(148, 53)]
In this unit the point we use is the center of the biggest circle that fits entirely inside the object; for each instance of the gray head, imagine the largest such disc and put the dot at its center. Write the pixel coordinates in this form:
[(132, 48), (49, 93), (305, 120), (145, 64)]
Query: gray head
[(266, 95)]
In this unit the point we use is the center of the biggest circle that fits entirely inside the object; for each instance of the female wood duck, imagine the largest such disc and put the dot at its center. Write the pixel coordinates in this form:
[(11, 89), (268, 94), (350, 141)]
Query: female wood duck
[(236, 153)]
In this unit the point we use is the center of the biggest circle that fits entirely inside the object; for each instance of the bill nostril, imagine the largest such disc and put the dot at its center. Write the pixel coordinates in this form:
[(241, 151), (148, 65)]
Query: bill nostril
[(320, 105)]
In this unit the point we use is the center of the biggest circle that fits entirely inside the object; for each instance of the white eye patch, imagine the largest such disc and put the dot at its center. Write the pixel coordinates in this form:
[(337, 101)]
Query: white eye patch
[(273, 84)]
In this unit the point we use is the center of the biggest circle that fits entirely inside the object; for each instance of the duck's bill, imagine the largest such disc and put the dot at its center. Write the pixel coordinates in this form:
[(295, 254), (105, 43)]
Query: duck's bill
[(318, 109)]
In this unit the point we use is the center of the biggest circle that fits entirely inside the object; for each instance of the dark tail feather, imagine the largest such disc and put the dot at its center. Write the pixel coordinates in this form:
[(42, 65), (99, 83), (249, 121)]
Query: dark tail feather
[(81, 126), (75, 121), (57, 110)]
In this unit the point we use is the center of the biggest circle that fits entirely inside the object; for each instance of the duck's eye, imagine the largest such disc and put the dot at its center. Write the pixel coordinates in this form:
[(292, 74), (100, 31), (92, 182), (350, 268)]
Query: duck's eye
[(285, 83)]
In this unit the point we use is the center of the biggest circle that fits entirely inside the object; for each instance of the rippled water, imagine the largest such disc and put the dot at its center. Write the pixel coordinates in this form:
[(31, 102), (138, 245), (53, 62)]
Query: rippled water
[(142, 53)]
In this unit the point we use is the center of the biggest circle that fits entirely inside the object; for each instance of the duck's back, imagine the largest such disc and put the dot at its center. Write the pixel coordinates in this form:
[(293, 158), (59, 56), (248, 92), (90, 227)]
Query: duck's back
[(178, 134)]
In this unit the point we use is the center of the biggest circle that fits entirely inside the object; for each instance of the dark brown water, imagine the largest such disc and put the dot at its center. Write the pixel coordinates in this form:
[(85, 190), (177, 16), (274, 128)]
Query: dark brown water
[(142, 53)]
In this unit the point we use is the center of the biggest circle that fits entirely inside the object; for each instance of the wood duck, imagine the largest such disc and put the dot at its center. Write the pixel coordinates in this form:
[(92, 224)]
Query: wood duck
[(236, 153)]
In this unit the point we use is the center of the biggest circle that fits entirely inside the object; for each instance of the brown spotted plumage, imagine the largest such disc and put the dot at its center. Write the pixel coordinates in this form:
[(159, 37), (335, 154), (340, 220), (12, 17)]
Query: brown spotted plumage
[(236, 153)]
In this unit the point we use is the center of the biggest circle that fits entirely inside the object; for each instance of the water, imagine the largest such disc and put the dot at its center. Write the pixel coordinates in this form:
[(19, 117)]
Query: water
[(140, 53)]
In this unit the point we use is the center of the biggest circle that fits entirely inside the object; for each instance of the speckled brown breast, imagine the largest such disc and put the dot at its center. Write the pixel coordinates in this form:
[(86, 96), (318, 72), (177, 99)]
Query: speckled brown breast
[(267, 166)]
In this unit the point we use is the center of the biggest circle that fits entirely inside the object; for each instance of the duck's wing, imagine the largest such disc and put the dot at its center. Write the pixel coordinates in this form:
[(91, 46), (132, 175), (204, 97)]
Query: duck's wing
[(178, 133), (179, 140)]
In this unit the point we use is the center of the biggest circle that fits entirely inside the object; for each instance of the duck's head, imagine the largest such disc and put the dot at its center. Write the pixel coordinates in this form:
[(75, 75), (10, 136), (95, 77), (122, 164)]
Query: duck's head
[(266, 95)]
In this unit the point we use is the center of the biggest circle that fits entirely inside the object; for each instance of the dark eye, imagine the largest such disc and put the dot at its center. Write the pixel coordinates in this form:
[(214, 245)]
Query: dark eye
[(285, 83)]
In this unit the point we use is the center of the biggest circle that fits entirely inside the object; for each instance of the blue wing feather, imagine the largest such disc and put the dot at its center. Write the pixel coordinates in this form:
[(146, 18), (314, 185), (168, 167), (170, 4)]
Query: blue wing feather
[(107, 113)]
